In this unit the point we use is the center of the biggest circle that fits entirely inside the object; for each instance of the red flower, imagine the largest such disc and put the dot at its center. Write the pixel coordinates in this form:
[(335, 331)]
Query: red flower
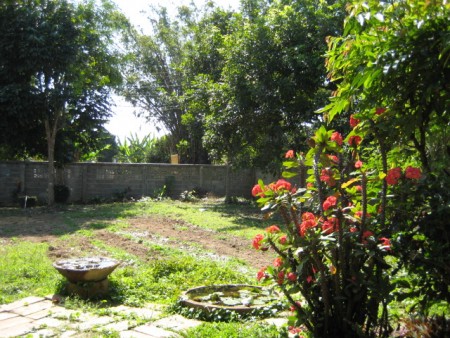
[(329, 202), (292, 276), (413, 173), (293, 308), (353, 121), (261, 274), (294, 330), (358, 164), (277, 262), (282, 184), (365, 235), (386, 243), (337, 137), (309, 279), (257, 191), (283, 240), (353, 229), (354, 140), (309, 221), (393, 175), (289, 154), (273, 229), (308, 216), (358, 188), (326, 175), (330, 225), (280, 277), (380, 111), (310, 185), (257, 241), (334, 159)]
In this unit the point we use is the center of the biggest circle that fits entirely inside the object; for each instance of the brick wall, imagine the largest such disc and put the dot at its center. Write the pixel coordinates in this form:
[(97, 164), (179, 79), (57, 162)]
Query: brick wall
[(89, 181)]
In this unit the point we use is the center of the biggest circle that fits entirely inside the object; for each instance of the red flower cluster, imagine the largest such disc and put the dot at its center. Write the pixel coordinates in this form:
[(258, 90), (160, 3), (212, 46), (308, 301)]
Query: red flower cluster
[(380, 111), (353, 121), (334, 159), (336, 137), (393, 175), (283, 240), (257, 241), (257, 191), (330, 225), (308, 221), (413, 173), (289, 154), (326, 175), (292, 276), (261, 274), (329, 202), (277, 262), (281, 184), (358, 164), (366, 234), (354, 140), (273, 229), (280, 277), (386, 243)]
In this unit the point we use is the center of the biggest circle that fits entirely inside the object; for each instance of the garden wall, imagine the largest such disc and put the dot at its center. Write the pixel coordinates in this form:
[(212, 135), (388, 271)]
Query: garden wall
[(96, 181)]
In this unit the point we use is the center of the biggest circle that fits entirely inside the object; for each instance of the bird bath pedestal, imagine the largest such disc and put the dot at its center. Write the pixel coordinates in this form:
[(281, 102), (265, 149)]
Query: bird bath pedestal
[(88, 276)]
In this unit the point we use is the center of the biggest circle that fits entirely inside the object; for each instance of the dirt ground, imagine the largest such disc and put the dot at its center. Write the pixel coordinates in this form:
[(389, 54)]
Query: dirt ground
[(52, 228)]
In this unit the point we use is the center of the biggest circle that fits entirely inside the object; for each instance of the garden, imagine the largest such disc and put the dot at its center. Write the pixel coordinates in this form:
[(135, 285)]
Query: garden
[(350, 240)]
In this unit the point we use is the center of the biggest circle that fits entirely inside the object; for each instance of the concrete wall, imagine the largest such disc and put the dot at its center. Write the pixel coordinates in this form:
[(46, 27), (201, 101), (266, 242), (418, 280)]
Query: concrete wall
[(90, 181)]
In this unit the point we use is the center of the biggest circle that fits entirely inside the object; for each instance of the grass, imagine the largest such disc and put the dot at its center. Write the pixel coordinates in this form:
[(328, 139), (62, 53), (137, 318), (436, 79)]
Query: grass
[(25, 268)]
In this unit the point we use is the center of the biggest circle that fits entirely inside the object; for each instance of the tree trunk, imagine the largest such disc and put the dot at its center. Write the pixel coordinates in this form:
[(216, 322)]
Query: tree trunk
[(50, 131)]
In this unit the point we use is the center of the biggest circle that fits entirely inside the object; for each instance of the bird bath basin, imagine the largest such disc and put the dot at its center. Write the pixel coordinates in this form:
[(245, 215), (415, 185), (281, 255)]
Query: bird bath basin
[(87, 276), (240, 298)]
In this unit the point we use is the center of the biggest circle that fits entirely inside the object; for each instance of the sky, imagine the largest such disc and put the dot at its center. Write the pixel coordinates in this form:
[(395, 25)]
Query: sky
[(123, 123)]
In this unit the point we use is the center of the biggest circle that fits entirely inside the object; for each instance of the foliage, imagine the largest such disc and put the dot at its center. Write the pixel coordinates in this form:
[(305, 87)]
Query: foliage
[(395, 56), (391, 68), (135, 150), (231, 330), (64, 64), (272, 81)]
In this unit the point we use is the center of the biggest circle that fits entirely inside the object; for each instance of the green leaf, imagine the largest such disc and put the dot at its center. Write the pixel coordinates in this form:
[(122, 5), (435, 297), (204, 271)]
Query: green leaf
[(288, 174)]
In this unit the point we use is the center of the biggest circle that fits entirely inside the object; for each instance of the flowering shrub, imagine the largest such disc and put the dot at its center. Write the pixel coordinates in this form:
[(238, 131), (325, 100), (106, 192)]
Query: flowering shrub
[(333, 243)]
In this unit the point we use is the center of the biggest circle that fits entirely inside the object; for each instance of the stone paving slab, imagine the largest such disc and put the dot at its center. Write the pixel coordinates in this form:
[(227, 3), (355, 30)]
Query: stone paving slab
[(154, 331), (176, 323), (40, 317)]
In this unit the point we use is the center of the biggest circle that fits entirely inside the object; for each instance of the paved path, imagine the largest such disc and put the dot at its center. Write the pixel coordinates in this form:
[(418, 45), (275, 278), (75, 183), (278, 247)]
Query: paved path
[(40, 317)]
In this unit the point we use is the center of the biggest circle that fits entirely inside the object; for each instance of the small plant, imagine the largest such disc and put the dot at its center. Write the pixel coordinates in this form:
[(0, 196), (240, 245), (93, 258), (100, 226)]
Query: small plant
[(188, 196), (333, 245)]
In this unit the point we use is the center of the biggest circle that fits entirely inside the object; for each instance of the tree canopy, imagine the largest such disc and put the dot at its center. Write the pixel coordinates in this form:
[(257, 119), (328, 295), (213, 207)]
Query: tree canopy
[(56, 70)]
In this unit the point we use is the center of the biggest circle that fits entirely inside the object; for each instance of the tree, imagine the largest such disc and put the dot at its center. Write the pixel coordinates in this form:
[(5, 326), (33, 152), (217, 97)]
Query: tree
[(273, 80), (395, 56), (64, 67), (169, 69)]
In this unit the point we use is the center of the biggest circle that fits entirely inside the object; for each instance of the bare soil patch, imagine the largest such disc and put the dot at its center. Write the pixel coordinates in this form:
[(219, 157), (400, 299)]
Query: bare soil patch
[(49, 227)]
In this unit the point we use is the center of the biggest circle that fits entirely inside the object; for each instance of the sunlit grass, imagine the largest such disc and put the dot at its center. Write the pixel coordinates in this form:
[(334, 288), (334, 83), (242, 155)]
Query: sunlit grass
[(25, 270)]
